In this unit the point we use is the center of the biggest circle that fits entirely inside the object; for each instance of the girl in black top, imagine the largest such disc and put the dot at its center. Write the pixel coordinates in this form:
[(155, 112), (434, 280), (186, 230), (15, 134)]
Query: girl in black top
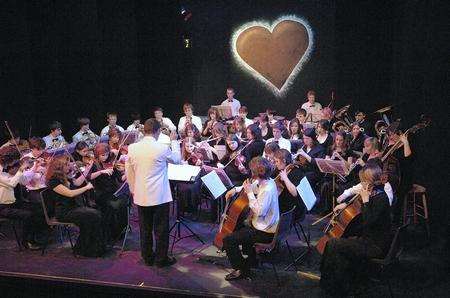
[(107, 180), (91, 240), (344, 261), (357, 138), (235, 172), (256, 146), (266, 129), (324, 137)]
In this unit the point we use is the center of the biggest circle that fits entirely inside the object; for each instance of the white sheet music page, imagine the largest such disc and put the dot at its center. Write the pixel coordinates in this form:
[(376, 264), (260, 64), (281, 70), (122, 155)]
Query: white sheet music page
[(182, 172), (306, 193), (214, 184)]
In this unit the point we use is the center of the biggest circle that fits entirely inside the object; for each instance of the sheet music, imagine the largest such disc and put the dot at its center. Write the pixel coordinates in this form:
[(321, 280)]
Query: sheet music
[(221, 173), (332, 166), (186, 173), (306, 193), (221, 151), (225, 112), (214, 184)]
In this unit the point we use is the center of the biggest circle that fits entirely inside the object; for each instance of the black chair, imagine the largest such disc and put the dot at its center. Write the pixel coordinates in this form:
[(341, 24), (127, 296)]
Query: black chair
[(48, 205), (12, 222), (266, 251), (384, 265)]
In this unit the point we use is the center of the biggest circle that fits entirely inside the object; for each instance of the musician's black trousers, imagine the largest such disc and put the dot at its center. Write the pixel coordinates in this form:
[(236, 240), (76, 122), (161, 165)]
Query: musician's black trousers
[(154, 219), (344, 262), (247, 237)]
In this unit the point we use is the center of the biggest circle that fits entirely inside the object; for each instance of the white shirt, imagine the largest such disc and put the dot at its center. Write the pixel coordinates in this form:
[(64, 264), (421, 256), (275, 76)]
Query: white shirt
[(105, 130), (146, 171), (358, 187), (167, 122), (314, 109), (7, 184), (53, 143), (234, 104), (195, 120), (265, 207), (282, 143), (88, 136), (248, 122)]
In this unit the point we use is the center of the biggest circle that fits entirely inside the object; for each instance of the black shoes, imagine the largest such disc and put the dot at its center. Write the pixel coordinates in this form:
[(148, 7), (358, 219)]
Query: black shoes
[(169, 261), (235, 275), (30, 245)]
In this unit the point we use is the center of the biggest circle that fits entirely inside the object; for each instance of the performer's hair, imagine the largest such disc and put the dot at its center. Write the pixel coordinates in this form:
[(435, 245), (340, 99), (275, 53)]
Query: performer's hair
[(260, 167), (151, 126)]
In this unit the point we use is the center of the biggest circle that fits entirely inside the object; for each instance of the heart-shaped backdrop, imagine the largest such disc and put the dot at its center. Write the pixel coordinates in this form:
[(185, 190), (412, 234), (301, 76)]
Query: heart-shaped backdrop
[(273, 54)]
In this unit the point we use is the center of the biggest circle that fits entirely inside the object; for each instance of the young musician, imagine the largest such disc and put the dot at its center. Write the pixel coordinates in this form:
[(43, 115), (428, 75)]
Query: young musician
[(91, 241), (289, 196), (213, 118), (295, 130), (263, 204), (54, 139), (308, 153), (243, 112), (146, 171), (323, 134), (22, 144), (232, 102), (360, 117), (312, 107), (327, 116), (107, 180), (111, 117), (269, 151), (231, 161), (256, 146), (10, 207), (266, 129), (35, 181), (114, 139), (191, 131), (344, 262), (164, 121), (270, 116), (357, 138), (240, 128), (277, 130), (189, 118), (85, 134), (136, 126), (300, 114)]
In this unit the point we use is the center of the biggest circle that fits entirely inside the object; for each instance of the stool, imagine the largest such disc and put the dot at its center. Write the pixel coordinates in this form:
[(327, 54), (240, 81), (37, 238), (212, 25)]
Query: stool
[(417, 199)]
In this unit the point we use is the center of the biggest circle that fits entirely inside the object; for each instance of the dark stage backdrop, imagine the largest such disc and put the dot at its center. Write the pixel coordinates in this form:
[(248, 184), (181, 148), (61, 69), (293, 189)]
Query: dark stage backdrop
[(63, 59)]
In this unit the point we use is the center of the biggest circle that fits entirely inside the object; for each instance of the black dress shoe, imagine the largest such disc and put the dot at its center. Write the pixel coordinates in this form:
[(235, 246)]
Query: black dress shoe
[(169, 261), (235, 275), (30, 245)]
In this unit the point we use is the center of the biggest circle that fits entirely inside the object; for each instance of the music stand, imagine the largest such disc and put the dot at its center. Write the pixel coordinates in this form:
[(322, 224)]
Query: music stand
[(182, 173), (210, 184), (225, 111), (334, 167), (124, 189)]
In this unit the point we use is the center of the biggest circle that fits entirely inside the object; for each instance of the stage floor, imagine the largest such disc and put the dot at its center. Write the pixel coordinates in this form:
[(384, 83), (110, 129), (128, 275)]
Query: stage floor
[(194, 273)]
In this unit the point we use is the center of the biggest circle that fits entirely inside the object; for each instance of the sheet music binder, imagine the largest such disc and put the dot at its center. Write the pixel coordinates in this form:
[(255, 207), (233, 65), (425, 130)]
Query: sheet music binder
[(184, 173), (306, 193), (222, 175), (329, 166), (214, 184)]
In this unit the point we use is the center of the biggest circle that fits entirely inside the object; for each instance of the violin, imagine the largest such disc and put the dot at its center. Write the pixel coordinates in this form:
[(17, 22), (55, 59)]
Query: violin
[(279, 182)]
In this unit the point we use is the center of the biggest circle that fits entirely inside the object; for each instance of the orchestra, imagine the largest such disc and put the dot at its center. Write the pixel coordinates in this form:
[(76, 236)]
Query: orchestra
[(265, 159)]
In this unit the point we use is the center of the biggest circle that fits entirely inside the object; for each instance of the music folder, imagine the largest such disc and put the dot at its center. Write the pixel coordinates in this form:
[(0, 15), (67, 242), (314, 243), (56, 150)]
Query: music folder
[(214, 184), (306, 193), (338, 167), (225, 112), (184, 173), (221, 174)]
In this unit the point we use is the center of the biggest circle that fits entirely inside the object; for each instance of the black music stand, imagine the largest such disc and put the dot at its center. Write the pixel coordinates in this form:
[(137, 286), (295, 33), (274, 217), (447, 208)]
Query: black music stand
[(334, 167), (124, 189), (181, 173)]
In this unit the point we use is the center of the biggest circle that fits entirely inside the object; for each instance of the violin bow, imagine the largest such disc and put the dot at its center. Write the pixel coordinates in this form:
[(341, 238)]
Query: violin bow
[(13, 138)]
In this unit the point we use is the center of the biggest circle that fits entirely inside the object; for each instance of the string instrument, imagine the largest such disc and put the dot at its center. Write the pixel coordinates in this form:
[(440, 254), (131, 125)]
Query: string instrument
[(279, 182), (342, 223), (234, 214)]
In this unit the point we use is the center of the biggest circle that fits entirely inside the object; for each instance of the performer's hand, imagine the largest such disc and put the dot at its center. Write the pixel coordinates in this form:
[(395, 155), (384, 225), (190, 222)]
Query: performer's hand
[(339, 207), (230, 193), (365, 192), (220, 166), (173, 135), (340, 198), (89, 186), (404, 139), (247, 186), (283, 175), (108, 172)]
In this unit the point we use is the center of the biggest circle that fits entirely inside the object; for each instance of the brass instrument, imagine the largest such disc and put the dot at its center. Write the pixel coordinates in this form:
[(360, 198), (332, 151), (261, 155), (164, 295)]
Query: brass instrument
[(381, 129), (342, 115), (340, 126)]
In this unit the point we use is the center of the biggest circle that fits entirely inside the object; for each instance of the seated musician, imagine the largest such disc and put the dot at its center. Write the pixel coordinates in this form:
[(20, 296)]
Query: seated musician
[(164, 121), (188, 118), (256, 146), (295, 130), (213, 118), (277, 130), (312, 108), (54, 139), (269, 151), (232, 102), (91, 241), (11, 207), (85, 134), (300, 114), (308, 153), (264, 126), (243, 113), (324, 136), (136, 126), (107, 179), (357, 138), (264, 218), (22, 144), (289, 196), (231, 162), (239, 128), (111, 117), (327, 116), (344, 261), (191, 131), (271, 116), (114, 139)]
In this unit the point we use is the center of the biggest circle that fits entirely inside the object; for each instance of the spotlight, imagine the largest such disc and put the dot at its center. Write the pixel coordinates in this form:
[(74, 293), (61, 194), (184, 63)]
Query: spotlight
[(185, 13)]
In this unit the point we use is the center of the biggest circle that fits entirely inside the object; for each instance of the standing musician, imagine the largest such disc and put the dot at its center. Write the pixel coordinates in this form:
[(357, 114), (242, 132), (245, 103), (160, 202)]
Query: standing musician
[(10, 207), (264, 218), (54, 139), (243, 113), (232, 102), (277, 131), (111, 117), (312, 108), (357, 138), (189, 118), (107, 179), (91, 241), (146, 171), (85, 134), (164, 121), (344, 261), (213, 118), (289, 196)]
